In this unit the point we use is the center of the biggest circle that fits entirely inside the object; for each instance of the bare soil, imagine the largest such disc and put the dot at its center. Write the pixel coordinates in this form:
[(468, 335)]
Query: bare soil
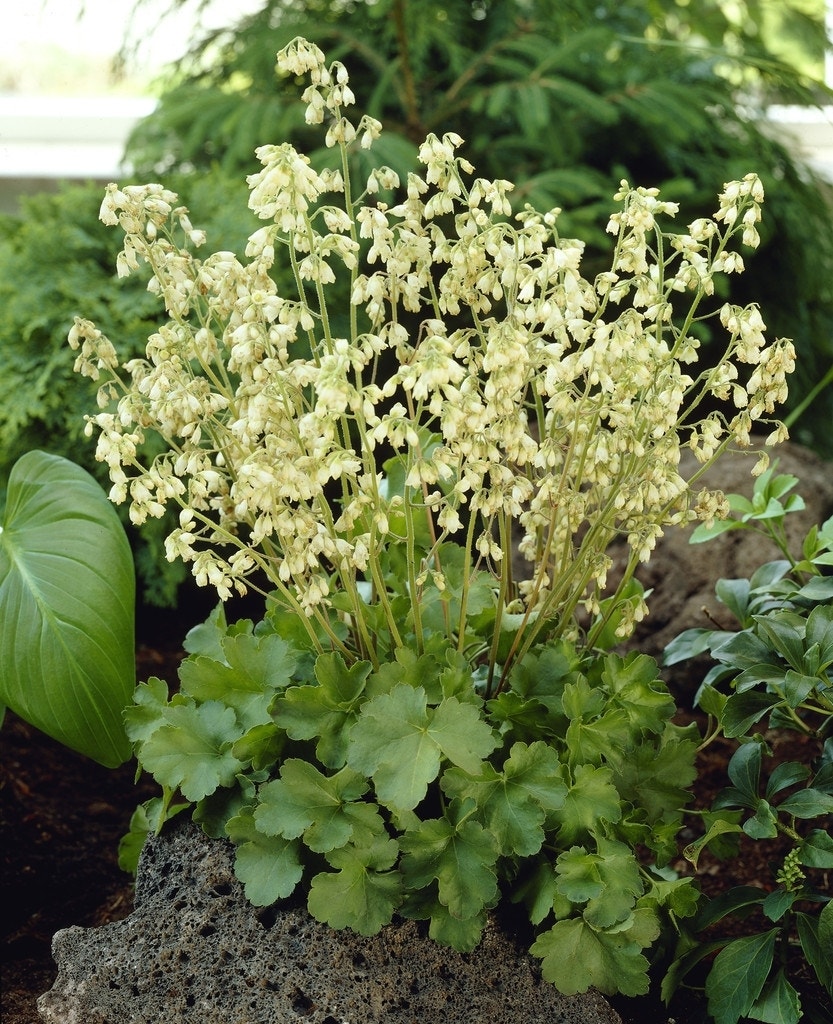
[(61, 818)]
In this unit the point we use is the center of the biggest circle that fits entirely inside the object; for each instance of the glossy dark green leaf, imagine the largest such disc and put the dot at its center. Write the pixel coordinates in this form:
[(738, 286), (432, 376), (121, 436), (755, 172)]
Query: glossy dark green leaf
[(785, 775), (807, 803), (816, 850), (816, 935), (743, 710), (66, 608), (738, 976), (745, 769)]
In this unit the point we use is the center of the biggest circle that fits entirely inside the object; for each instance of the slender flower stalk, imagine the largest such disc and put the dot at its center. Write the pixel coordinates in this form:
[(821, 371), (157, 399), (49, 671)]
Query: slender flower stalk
[(489, 423)]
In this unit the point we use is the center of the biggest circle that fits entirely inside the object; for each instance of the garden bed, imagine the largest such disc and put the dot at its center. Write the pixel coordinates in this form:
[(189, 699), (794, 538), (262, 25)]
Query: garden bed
[(61, 817)]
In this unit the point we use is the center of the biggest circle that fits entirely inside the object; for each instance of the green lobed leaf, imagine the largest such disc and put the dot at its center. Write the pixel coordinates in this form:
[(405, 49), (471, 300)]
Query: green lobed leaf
[(252, 671), (268, 866), (303, 802), (591, 798), (513, 802), (738, 975), (147, 712), (607, 881), (400, 742), (576, 957), (461, 858), (192, 750), (67, 595), (634, 685), (326, 710), (424, 905), (362, 894), (656, 777)]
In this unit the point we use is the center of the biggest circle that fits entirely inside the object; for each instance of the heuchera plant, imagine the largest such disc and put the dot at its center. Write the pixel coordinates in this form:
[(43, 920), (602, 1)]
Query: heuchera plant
[(424, 724)]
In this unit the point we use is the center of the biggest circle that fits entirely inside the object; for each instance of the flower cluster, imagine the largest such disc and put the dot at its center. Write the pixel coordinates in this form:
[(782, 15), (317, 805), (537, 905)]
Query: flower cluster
[(439, 371)]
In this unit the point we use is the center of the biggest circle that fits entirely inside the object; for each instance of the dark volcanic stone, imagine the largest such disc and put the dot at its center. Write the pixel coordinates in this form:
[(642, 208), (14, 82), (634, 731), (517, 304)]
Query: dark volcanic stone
[(195, 950)]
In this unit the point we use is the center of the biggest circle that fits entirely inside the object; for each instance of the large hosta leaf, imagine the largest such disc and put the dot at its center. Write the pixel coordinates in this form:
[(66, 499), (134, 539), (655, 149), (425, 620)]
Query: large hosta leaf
[(66, 608)]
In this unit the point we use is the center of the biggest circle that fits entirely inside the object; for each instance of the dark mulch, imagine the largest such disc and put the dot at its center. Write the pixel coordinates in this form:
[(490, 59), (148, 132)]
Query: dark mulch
[(61, 818)]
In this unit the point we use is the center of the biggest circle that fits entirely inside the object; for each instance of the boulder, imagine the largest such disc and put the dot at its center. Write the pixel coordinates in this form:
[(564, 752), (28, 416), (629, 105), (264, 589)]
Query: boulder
[(195, 950), (682, 576)]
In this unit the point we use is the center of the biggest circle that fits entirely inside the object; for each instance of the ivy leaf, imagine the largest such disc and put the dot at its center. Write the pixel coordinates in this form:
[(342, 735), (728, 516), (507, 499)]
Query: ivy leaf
[(797, 686), (778, 902), (785, 775), (764, 822), (717, 827), (461, 858), (362, 893), (305, 802), (743, 710), (268, 866), (400, 742), (326, 710), (254, 668), (745, 771), (192, 750), (513, 802), (738, 975), (591, 798), (575, 957)]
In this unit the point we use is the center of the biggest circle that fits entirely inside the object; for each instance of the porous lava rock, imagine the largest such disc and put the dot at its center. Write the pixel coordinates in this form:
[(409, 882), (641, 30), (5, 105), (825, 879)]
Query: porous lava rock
[(195, 950)]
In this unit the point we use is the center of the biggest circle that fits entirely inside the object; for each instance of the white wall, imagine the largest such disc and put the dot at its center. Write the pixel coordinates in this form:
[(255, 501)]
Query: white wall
[(47, 139)]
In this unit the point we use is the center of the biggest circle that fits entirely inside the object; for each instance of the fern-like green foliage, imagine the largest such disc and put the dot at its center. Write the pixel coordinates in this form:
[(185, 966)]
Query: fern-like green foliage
[(57, 261), (563, 97)]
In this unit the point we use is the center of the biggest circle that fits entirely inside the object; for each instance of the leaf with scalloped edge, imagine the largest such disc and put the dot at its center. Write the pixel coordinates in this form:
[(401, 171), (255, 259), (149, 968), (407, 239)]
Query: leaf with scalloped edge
[(192, 750), (400, 742), (363, 892), (576, 957), (322, 809), (461, 858), (513, 803), (268, 866)]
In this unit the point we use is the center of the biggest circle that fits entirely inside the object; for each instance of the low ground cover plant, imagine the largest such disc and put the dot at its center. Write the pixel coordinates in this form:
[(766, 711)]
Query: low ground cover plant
[(771, 674), (419, 457)]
